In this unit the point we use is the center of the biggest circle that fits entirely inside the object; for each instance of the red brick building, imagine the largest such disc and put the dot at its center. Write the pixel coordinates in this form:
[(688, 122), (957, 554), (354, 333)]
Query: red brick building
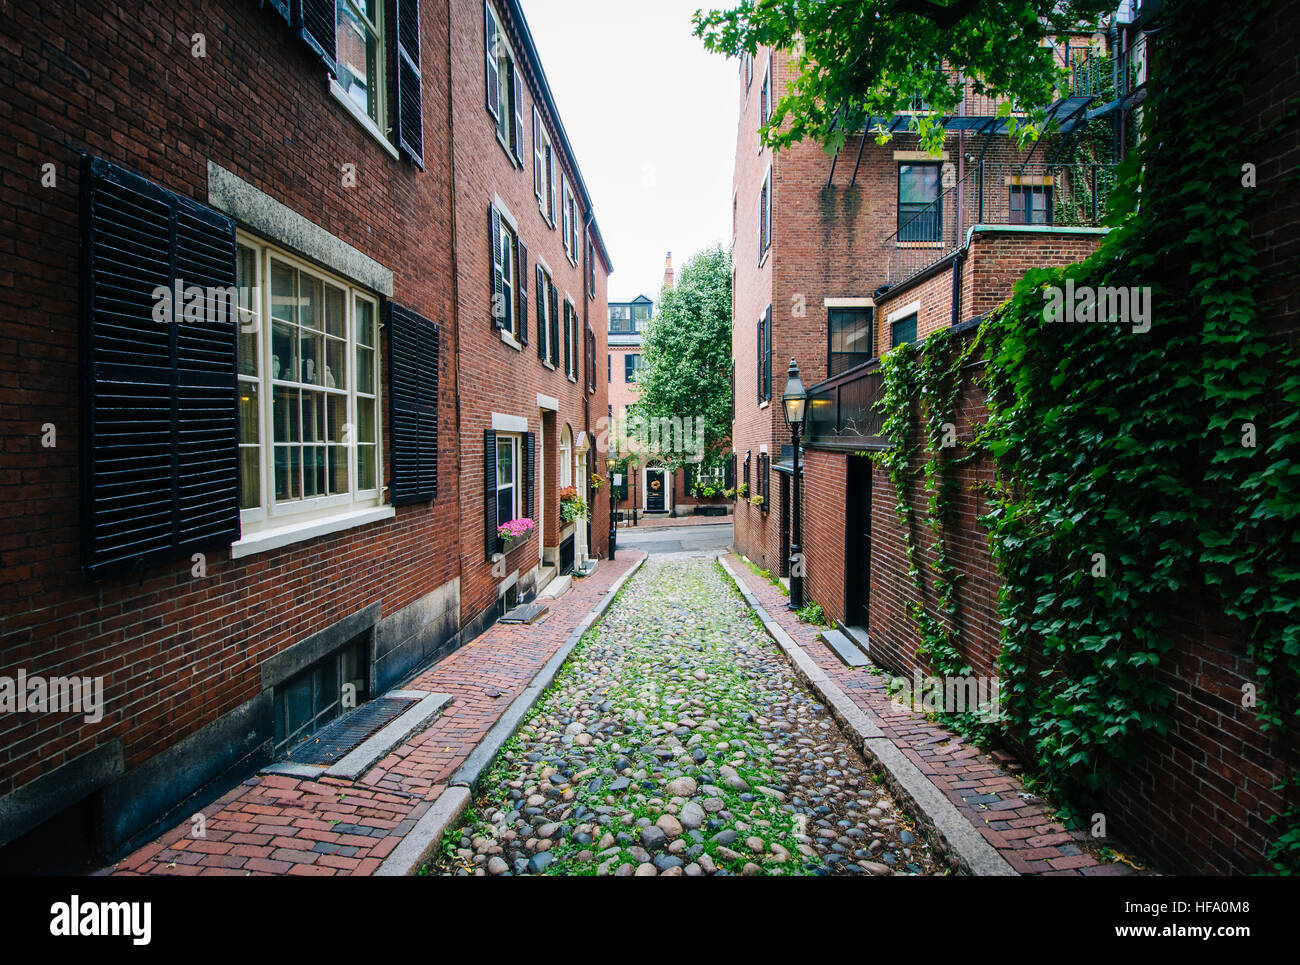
[(250, 361), (815, 235)]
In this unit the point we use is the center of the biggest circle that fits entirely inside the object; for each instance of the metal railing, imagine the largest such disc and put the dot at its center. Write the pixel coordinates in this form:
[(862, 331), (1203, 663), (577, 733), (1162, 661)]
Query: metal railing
[(844, 409), (995, 193)]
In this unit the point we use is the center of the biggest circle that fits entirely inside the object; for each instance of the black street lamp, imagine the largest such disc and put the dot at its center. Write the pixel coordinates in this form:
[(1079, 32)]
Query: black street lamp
[(613, 526), (795, 401)]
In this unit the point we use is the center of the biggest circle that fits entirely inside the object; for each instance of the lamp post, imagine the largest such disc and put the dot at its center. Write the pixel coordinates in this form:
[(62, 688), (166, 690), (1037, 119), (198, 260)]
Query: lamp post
[(795, 402), (613, 525)]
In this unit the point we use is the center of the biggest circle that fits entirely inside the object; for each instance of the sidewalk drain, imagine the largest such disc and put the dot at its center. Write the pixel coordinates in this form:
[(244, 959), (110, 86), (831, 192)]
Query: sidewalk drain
[(333, 741)]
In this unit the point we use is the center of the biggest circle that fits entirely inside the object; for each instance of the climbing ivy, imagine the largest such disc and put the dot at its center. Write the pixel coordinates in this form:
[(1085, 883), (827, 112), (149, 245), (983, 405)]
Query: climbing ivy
[(1139, 473)]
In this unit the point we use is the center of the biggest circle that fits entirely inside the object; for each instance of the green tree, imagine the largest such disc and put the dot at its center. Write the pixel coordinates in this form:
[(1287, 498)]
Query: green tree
[(686, 369), (877, 58)]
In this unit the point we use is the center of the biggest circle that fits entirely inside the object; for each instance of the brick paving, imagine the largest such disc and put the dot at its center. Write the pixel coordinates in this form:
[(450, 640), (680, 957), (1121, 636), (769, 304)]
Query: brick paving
[(981, 785), (276, 825)]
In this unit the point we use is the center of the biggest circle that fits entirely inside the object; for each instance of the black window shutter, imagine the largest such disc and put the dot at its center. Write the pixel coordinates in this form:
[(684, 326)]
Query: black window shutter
[(521, 276), (591, 359), (315, 22), (412, 405), (530, 455), (729, 473), (490, 490), (767, 353), (541, 314), (159, 413), (408, 120), (498, 289), (758, 357), (554, 328), (492, 68), (518, 89), (748, 454), (765, 475)]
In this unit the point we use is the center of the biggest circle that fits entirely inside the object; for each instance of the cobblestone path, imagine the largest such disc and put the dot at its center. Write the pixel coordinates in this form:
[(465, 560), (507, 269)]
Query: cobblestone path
[(677, 740)]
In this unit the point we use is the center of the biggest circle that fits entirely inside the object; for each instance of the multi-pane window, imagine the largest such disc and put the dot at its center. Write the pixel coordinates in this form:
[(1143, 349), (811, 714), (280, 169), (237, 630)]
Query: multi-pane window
[(508, 487), (547, 338), (359, 39), (308, 388), (509, 247), (544, 178), (620, 319), (566, 458), (504, 85), (765, 216), (314, 697), (902, 330), (631, 366), (764, 343), (849, 337), (767, 95), (920, 215), (569, 213), (641, 313), (1030, 204)]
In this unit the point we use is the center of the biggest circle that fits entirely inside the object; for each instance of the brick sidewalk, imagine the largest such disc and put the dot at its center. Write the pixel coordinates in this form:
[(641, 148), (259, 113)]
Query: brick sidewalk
[(272, 824), (982, 786)]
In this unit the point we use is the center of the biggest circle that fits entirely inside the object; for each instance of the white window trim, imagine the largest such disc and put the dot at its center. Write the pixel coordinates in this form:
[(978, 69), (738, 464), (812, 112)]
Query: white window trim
[(516, 483), (848, 303), (280, 524), (362, 118), (573, 354)]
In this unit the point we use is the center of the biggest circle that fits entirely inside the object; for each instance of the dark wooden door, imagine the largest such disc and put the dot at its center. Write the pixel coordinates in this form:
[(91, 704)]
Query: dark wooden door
[(655, 488), (857, 542)]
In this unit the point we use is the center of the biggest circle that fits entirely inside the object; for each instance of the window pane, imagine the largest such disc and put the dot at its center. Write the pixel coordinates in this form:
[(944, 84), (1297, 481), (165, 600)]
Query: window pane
[(505, 462), (366, 370), (245, 279), (336, 372), (288, 484), (284, 414), (313, 356), (365, 420), (311, 302), (505, 505), (365, 322), (284, 351), (338, 469), (336, 322), (918, 183), (356, 52), (313, 471), (248, 409), (283, 300), (336, 410), (250, 478), (313, 416), (366, 466)]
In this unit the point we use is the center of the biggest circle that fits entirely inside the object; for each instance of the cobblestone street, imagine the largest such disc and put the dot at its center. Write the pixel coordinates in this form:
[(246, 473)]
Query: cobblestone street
[(678, 740)]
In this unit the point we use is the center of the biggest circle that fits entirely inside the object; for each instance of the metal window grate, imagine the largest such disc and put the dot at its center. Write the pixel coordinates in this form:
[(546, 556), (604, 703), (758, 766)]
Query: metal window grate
[(333, 741)]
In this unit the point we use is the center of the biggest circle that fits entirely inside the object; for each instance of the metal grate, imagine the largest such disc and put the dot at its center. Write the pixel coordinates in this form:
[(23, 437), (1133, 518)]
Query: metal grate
[(333, 741)]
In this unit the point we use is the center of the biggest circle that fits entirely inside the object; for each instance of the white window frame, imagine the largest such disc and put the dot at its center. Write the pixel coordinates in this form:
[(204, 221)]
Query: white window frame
[(377, 86), (543, 169), (263, 523), (515, 442), (566, 457), (544, 307), (571, 337), (505, 67)]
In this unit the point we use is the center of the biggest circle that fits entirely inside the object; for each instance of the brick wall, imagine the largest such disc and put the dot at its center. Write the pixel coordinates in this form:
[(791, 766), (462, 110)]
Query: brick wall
[(120, 82), (505, 379), (825, 493)]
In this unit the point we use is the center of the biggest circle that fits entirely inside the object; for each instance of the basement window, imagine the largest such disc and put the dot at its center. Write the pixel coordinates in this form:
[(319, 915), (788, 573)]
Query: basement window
[(319, 694)]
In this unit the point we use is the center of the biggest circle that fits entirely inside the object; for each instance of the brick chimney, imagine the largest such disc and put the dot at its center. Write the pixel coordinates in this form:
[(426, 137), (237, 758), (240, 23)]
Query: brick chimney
[(668, 270)]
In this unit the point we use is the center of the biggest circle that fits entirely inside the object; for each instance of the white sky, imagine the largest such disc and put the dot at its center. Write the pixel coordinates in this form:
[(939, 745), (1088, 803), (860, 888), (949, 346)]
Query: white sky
[(652, 118)]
